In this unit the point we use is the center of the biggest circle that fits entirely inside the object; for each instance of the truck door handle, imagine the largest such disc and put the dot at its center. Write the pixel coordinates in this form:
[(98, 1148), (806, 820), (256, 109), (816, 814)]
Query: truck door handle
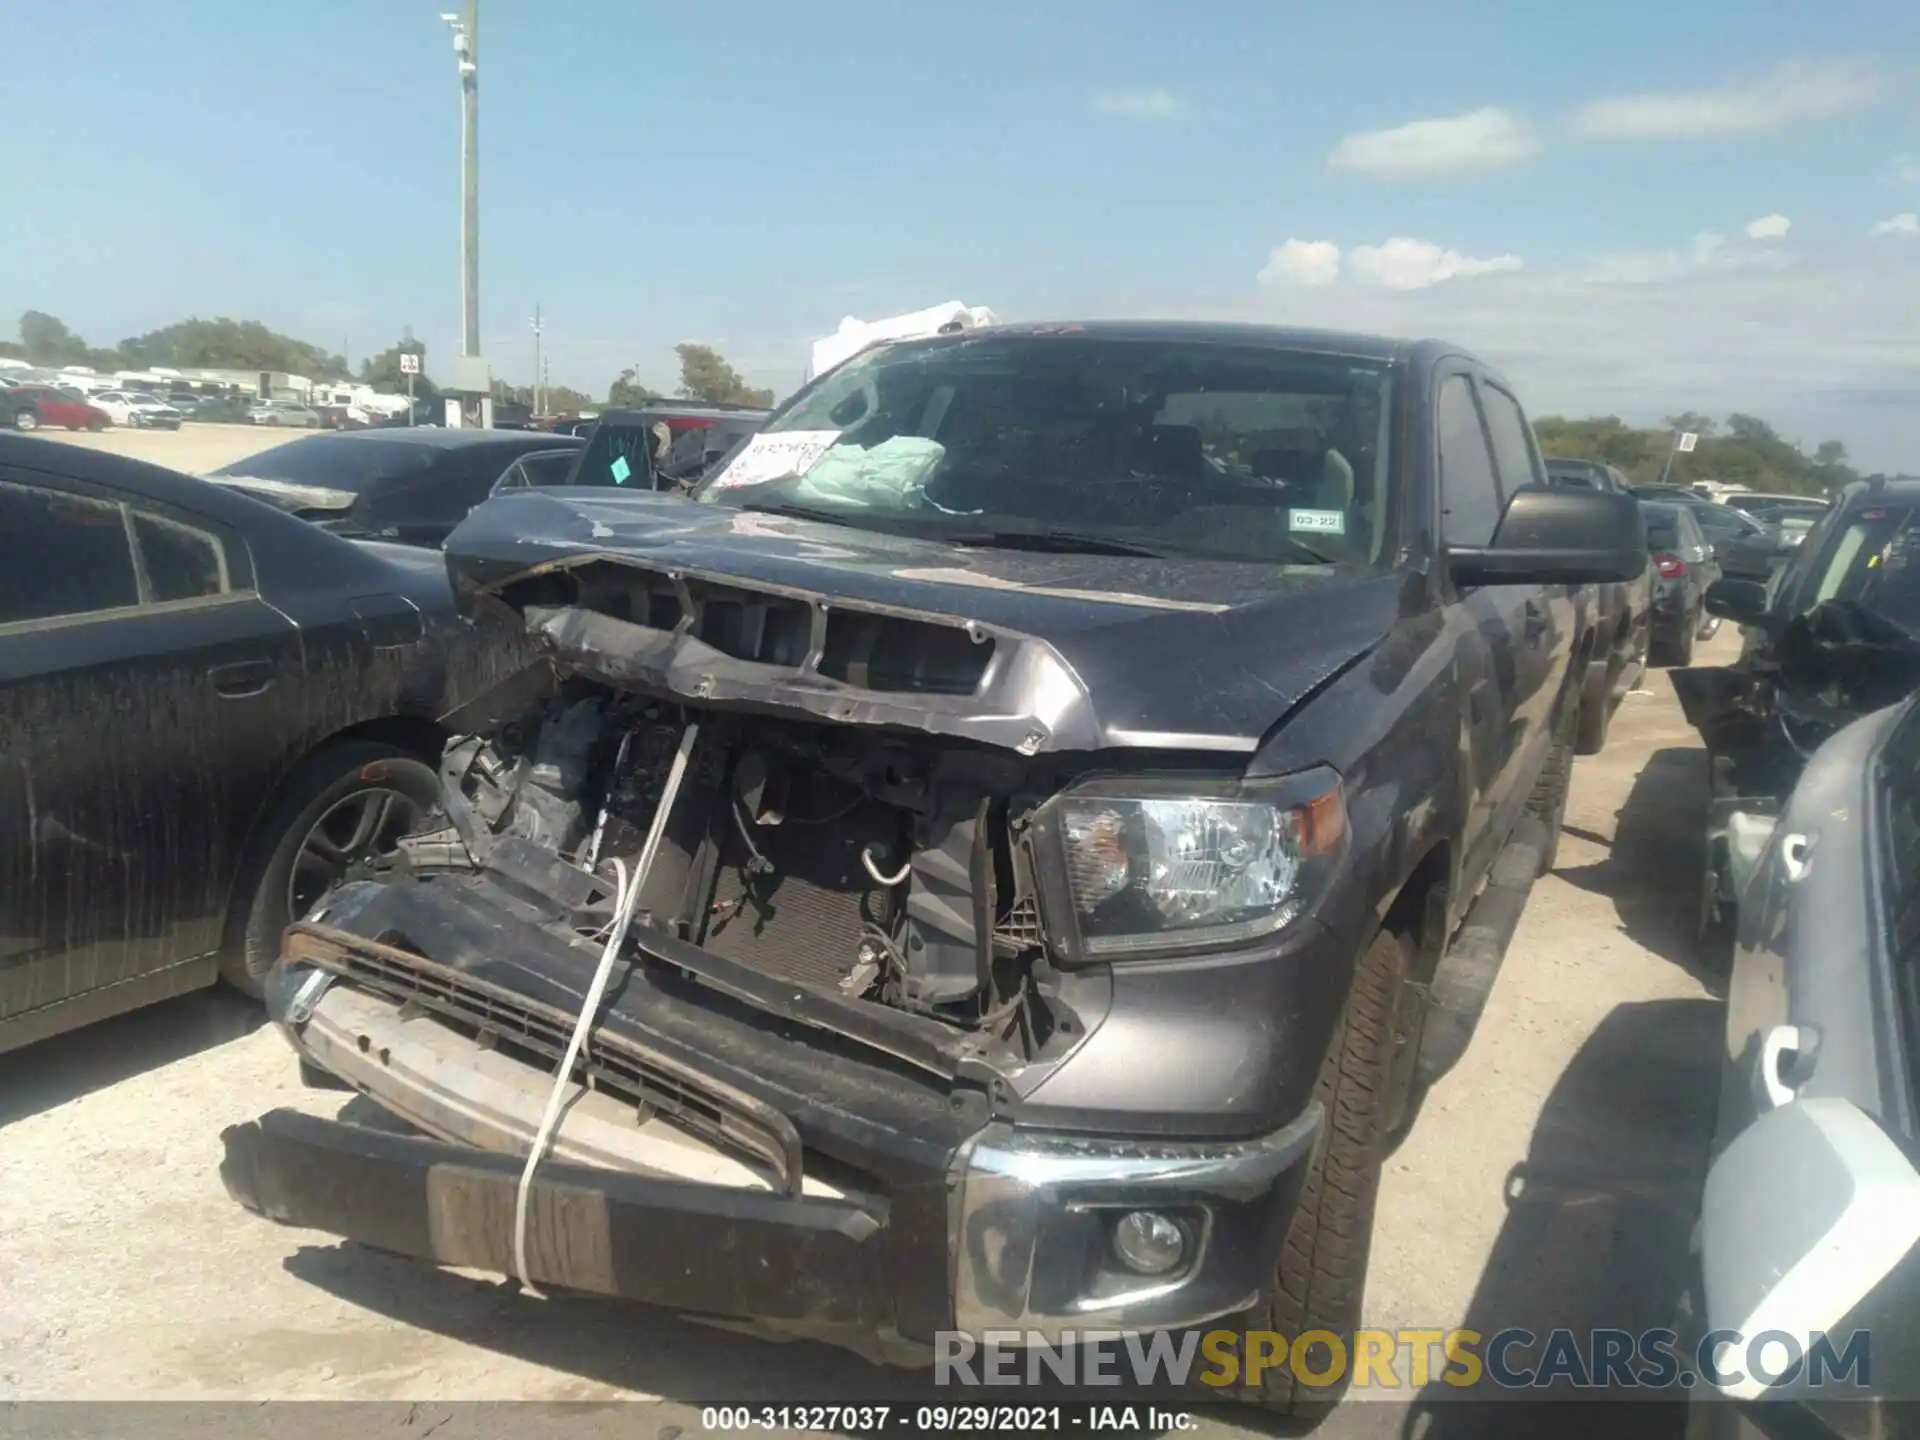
[(242, 679)]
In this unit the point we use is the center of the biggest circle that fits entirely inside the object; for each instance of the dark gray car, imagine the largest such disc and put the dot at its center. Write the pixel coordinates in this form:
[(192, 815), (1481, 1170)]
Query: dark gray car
[(1684, 567)]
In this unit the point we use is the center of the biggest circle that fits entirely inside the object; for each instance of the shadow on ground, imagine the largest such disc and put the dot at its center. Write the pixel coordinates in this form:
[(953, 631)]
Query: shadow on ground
[(1656, 861), (1599, 1218), (66, 1067)]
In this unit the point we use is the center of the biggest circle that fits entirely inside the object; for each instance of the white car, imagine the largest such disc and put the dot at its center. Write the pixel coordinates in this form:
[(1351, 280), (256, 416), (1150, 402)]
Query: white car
[(137, 408), (283, 412)]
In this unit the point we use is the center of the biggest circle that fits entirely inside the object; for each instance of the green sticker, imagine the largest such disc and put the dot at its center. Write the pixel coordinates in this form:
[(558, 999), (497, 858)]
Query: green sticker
[(621, 470)]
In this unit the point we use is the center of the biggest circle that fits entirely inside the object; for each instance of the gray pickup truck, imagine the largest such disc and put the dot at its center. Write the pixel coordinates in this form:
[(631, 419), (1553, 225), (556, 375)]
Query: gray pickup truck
[(1039, 815)]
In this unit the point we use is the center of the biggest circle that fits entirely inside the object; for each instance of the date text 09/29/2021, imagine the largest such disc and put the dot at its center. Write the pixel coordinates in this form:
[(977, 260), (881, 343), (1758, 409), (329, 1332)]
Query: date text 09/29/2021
[(943, 1419)]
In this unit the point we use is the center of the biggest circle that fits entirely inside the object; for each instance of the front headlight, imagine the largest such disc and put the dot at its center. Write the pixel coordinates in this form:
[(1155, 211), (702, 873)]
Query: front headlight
[(1137, 867)]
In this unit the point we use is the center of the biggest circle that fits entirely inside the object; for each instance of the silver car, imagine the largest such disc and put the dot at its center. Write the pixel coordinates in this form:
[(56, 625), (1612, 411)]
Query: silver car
[(1810, 1221), (283, 412)]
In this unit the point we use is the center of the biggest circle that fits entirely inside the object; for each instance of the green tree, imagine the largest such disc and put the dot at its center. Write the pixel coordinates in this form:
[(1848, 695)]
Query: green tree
[(705, 376), (627, 389), (1694, 422), (46, 340), (382, 371), (225, 344)]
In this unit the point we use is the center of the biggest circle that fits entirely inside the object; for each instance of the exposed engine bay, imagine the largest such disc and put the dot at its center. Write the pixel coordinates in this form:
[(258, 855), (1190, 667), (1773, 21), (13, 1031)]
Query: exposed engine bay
[(884, 868)]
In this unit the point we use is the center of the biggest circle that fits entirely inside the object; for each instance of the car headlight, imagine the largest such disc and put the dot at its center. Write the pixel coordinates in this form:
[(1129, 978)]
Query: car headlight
[(1148, 866)]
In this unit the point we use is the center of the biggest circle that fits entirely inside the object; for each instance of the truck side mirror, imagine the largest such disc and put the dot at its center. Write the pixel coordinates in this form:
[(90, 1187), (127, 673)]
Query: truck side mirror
[(1552, 535)]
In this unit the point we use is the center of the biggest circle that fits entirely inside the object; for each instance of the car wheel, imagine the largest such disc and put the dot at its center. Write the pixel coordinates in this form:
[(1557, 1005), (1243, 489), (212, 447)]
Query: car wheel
[(25, 420), (341, 817), (1321, 1276)]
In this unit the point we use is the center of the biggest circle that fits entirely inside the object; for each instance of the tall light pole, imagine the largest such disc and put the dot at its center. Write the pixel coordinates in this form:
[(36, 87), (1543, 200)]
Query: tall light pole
[(539, 375), (466, 48)]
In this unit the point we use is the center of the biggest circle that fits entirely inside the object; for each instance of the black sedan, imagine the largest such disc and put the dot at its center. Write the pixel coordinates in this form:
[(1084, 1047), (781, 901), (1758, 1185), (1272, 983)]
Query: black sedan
[(1684, 566), (210, 714), (410, 485)]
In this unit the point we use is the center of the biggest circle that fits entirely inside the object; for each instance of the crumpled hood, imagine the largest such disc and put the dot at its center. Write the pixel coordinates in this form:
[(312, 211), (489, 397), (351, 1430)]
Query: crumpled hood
[(1169, 654)]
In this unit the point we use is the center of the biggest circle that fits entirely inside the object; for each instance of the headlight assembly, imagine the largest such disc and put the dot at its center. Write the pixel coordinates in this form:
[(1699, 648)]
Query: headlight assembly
[(1157, 865)]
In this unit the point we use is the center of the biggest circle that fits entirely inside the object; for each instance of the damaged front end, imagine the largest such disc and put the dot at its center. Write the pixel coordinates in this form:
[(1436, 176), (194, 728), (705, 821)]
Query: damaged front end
[(1763, 719), (876, 1059)]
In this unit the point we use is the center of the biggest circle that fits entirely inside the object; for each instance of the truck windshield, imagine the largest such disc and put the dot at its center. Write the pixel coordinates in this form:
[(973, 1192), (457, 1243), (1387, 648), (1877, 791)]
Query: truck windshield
[(1220, 450)]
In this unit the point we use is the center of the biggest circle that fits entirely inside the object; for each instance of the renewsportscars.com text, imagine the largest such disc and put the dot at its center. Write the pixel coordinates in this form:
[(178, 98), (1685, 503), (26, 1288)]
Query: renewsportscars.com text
[(1512, 1359)]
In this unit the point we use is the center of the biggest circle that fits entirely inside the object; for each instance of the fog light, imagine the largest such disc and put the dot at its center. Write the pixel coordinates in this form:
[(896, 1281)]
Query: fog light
[(1149, 1244)]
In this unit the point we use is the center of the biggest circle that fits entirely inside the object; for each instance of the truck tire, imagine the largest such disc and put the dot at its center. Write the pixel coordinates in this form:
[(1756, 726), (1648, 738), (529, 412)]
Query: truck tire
[(1320, 1279)]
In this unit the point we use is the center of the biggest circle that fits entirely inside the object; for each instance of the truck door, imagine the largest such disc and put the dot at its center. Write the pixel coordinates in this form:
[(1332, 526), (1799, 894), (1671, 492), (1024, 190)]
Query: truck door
[(1544, 643), (1489, 624)]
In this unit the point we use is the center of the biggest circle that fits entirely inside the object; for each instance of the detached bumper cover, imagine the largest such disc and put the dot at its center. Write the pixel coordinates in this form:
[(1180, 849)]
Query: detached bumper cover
[(1031, 1218), (688, 1247)]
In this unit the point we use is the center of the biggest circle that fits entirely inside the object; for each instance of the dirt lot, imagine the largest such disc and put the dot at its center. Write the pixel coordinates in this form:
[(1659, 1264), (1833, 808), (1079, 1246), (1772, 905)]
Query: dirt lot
[(1551, 1179), (194, 448)]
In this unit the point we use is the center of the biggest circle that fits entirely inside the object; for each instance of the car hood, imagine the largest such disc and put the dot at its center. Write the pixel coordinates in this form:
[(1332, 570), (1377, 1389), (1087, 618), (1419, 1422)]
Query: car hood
[(1074, 652)]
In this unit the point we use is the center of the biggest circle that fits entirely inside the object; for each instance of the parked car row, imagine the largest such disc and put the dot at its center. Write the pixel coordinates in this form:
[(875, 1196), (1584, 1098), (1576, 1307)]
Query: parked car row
[(1810, 1219)]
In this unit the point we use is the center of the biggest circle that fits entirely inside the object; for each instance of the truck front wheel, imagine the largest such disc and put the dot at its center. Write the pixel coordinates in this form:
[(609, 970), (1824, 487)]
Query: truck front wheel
[(1321, 1277)]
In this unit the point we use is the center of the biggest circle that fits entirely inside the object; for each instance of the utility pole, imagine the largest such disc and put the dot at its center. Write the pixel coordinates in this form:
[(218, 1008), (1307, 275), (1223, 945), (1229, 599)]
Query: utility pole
[(466, 48), (539, 375)]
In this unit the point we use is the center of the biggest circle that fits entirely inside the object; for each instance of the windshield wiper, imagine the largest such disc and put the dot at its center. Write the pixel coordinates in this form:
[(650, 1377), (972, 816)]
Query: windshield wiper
[(1058, 542)]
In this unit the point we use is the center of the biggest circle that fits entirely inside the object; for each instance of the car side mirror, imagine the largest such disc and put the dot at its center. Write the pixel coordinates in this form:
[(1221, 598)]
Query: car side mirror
[(1554, 536), (1742, 601), (1809, 1223)]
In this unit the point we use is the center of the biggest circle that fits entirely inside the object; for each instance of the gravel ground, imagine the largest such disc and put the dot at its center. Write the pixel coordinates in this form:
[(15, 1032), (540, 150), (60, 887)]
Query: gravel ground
[(1550, 1180), (194, 447)]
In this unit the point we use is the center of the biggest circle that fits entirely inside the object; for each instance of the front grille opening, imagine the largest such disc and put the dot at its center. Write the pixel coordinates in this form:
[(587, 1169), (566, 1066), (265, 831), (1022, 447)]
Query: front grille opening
[(764, 1141), (884, 652)]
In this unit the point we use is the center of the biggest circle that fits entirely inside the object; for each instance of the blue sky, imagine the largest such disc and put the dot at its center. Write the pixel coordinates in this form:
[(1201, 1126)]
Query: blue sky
[(1564, 188)]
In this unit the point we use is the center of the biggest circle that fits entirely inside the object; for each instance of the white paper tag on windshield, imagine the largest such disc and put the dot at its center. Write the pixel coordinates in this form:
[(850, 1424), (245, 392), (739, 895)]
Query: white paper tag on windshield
[(772, 457), (1318, 522)]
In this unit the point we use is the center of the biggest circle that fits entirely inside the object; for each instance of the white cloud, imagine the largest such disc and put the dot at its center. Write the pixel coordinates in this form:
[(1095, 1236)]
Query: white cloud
[(1907, 223), (1478, 140), (1142, 105), (1905, 170), (1825, 347), (1707, 252), (1302, 262), (1796, 91), (1403, 264), (1768, 227)]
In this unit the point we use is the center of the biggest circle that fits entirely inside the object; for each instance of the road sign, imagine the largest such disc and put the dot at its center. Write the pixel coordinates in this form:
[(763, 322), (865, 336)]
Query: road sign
[(410, 365), (1687, 441)]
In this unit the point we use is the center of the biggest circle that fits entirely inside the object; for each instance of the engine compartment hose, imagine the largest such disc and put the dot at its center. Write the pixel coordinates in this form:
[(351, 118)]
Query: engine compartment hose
[(590, 1006), (899, 877)]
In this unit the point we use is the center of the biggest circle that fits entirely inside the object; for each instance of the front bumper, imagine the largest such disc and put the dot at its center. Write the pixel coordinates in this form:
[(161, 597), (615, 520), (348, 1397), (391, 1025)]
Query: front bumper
[(990, 1227)]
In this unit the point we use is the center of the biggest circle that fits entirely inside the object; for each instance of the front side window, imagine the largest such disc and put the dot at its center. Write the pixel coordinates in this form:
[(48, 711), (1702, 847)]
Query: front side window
[(1512, 439), (1468, 489), (62, 555), (1169, 446)]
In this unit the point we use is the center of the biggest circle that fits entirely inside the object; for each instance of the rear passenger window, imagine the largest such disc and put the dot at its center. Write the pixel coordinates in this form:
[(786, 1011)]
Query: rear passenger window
[(1512, 445), (61, 555), (181, 563), (1469, 495)]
